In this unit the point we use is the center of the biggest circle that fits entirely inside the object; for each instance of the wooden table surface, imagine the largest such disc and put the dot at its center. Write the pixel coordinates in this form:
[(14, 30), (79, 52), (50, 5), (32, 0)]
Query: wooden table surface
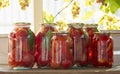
[(4, 69)]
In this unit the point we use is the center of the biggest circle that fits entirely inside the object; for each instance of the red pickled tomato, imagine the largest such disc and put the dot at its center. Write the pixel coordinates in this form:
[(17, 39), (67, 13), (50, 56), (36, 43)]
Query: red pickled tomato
[(75, 32), (13, 34), (38, 40), (90, 31), (25, 46), (28, 60), (66, 53), (12, 40), (12, 43), (42, 62), (55, 65), (11, 59), (36, 56), (67, 58), (66, 63), (21, 32), (46, 28)]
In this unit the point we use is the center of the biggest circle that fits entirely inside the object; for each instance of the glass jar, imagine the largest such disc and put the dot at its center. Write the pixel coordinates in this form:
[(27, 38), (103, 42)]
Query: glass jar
[(79, 43), (21, 43), (103, 50), (90, 29), (43, 38), (60, 53)]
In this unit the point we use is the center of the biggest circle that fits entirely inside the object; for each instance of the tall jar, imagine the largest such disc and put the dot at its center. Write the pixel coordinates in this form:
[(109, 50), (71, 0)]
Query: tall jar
[(103, 50), (79, 43), (43, 38), (90, 29), (21, 43), (60, 53)]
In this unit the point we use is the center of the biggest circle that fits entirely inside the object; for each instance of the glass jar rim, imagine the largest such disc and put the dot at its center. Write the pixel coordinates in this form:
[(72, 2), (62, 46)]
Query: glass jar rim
[(91, 25), (22, 24), (102, 32), (48, 24), (76, 25), (61, 32)]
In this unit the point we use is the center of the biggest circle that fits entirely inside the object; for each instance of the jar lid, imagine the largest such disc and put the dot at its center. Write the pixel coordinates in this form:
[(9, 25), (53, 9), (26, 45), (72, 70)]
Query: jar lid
[(61, 32), (76, 25), (22, 24), (102, 32), (91, 25), (48, 24)]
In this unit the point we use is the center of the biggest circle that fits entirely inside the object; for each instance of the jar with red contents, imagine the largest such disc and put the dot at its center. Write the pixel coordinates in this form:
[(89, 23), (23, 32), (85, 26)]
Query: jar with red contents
[(79, 43), (21, 43), (90, 28), (60, 53), (103, 50), (43, 38)]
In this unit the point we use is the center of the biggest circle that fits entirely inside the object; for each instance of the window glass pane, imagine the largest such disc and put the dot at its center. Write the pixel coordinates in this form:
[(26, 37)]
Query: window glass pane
[(89, 12), (12, 14)]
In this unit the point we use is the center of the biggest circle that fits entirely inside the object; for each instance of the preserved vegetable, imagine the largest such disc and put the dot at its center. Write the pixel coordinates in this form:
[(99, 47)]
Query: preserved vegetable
[(103, 50), (60, 53), (21, 45)]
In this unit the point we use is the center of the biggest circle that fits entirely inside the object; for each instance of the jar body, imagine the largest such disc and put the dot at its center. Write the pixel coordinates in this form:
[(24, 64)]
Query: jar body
[(21, 45), (79, 45), (103, 50), (43, 44), (60, 53), (90, 29)]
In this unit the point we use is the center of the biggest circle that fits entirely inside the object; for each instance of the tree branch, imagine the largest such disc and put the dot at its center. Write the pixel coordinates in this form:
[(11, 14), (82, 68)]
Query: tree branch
[(63, 9)]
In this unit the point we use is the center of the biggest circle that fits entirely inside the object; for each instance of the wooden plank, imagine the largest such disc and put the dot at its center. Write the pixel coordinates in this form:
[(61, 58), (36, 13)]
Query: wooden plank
[(4, 69)]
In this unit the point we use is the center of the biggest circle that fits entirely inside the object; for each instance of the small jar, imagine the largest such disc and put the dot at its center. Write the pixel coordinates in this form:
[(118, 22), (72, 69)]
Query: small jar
[(60, 53), (79, 43), (90, 29), (103, 50), (21, 43), (43, 38)]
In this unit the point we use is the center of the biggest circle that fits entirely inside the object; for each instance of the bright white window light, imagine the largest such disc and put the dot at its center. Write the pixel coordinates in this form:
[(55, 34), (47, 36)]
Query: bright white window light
[(12, 14)]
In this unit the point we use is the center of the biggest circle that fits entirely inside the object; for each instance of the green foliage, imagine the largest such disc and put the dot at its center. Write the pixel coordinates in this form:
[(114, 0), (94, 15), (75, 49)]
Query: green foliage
[(47, 39), (31, 39), (86, 36), (48, 18), (110, 6)]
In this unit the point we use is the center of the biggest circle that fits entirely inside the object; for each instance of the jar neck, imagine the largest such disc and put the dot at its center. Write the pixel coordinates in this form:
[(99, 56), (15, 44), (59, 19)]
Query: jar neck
[(104, 35), (45, 27), (90, 26), (48, 25), (76, 25), (61, 34), (22, 25)]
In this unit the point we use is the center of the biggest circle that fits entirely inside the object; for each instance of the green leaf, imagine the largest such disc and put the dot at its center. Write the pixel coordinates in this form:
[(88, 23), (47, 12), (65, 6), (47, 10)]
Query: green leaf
[(47, 39), (112, 6), (107, 9), (47, 17), (31, 39), (49, 33), (51, 18), (86, 36)]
